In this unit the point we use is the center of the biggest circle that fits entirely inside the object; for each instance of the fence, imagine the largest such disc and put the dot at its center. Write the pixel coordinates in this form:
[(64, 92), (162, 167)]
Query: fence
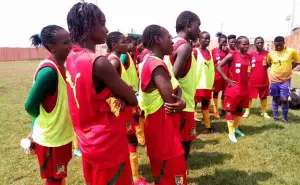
[(22, 54), (26, 54)]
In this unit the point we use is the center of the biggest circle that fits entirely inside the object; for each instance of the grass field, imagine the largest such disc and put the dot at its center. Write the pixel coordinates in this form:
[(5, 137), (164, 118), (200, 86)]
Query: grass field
[(268, 154)]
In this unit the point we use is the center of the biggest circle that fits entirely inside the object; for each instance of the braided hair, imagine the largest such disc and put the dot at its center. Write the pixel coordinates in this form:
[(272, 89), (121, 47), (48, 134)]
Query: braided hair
[(149, 34), (46, 37), (221, 36), (113, 38), (184, 19), (81, 18)]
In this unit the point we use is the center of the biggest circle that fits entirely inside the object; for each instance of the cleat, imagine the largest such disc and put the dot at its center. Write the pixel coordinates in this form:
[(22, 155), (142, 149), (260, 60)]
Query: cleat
[(265, 115), (217, 115), (239, 133), (246, 114), (232, 138)]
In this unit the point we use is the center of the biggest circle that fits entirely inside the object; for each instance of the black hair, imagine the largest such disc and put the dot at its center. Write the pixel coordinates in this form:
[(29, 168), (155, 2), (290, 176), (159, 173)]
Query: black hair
[(130, 39), (220, 36), (258, 38), (279, 39), (149, 34), (231, 37), (185, 18), (112, 38), (46, 37), (139, 41), (201, 33), (81, 18), (240, 38)]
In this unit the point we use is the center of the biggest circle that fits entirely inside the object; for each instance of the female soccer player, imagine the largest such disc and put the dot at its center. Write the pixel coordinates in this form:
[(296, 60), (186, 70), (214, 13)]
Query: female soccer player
[(219, 84), (258, 80), (205, 77), (47, 102), (236, 92), (161, 107), (281, 61), (92, 80), (116, 43), (184, 69)]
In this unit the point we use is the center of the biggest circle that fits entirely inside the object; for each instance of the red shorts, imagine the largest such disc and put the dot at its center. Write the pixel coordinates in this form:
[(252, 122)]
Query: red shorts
[(219, 85), (169, 172), (201, 94), (53, 161), (188, 126), (117, 175), (261, 92), (232, 103)]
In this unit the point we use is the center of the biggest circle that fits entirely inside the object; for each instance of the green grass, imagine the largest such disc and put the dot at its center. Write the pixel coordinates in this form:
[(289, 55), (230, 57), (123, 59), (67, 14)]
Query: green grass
[(268, 154)]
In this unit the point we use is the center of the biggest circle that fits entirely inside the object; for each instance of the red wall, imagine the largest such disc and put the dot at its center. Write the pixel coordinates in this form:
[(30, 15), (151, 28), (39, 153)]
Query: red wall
[(22, 54)]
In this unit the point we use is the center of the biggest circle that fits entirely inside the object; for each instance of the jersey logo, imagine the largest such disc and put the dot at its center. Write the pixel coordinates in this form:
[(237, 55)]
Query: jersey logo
[(73, 85), (228, 105), (128, 127), (60, 169), (179, 179), (279, 62), (193, 132)]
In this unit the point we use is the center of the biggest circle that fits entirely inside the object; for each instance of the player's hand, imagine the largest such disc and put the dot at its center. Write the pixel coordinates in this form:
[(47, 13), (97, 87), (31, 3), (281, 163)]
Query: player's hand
[(230, 82), (176, 107)]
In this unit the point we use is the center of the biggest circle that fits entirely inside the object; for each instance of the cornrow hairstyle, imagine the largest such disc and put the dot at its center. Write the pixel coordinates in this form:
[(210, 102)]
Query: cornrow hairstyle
[(220, 36), (279, 39), (231, 37), (46, 37), (258, 38), (113, 38), (184, 19), (149, 34), (240, 38), (81, 18), (130, 39), (202, 33)]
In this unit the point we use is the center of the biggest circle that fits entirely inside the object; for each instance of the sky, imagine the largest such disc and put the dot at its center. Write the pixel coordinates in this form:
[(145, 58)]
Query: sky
[(22, 18)]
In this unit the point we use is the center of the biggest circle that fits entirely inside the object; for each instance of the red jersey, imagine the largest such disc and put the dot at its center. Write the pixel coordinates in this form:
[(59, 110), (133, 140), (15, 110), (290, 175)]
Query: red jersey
[(162, 129), (101, 137), (219, 55), (177, 43), (259, 74), (238, 71)]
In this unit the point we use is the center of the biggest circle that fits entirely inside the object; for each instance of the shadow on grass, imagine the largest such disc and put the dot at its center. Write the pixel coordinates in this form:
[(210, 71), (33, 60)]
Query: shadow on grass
[(198, 144), (219, 124), (196, 161), (200, 160), (145, 172), (232, 177), (252, 130), (293, 117)]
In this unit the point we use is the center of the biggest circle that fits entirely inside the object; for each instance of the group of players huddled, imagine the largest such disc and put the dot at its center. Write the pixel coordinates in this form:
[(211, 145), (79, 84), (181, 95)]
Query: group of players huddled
[(143, 94)]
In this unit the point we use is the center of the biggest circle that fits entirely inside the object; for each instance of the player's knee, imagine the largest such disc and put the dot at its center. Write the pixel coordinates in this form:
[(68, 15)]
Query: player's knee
[(215, 95), (205, 104), (284, 100)]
